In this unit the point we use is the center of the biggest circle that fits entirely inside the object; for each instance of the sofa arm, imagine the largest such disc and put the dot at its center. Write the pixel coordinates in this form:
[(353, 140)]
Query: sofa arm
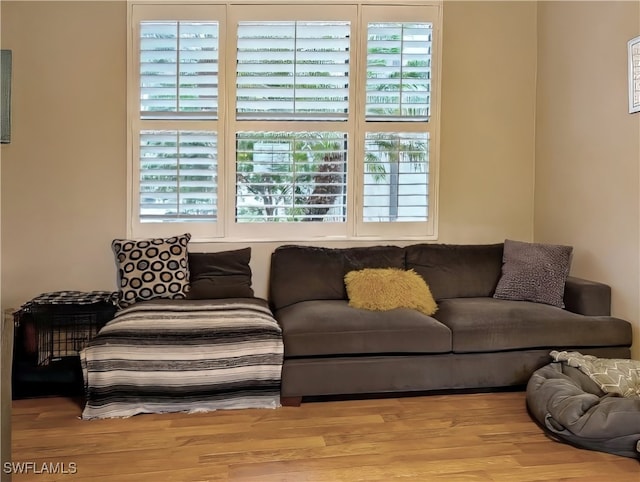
[(587, 297)]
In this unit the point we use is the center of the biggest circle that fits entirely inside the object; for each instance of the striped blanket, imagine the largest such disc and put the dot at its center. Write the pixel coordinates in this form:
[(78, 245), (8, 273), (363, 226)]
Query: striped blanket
[(184, 356)]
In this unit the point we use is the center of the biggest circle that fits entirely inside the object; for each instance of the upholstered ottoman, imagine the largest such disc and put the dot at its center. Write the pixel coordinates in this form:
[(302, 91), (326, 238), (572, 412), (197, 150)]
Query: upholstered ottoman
[(569, 400)]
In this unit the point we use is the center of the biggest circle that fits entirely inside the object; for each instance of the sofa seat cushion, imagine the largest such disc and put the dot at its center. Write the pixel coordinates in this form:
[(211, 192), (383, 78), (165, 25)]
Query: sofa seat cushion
[(332, 327), (488, 324)]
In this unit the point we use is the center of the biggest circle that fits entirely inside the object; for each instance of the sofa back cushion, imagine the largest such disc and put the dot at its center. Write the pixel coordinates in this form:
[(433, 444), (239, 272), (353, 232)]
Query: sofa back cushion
[(372, 257), (457, 271), (304, 273)]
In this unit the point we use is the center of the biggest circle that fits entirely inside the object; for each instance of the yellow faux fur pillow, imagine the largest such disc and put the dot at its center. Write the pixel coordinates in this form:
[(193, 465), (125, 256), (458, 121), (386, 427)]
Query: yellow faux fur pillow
[(388, 288)]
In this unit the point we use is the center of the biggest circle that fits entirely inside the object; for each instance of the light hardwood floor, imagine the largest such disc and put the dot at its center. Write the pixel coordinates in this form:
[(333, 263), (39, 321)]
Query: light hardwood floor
[(470, 437)]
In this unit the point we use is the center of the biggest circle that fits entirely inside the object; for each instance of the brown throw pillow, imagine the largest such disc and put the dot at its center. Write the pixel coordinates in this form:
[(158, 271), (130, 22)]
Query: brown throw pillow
[(389, 288), (534, 272), (225, 274)]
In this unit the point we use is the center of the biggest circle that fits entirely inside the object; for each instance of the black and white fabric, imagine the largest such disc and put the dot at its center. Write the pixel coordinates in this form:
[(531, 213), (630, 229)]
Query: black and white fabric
[(70, 298), (184, 356), (152, 268)]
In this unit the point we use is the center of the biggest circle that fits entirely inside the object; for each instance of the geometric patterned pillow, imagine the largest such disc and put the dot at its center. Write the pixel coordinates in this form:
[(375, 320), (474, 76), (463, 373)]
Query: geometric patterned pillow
[(613, 375), (534, 272), (151, 268)]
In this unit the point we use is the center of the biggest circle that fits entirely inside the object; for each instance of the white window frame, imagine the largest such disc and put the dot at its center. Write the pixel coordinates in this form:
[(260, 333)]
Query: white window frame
[(228, 13), (388, 230), (135, 228)]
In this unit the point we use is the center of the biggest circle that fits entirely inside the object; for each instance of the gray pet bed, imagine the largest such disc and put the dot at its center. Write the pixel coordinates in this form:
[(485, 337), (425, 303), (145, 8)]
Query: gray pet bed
[(571, 407)]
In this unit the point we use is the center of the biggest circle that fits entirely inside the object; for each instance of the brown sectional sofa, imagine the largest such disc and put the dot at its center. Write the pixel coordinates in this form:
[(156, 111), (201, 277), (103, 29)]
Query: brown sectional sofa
[(473, 341)]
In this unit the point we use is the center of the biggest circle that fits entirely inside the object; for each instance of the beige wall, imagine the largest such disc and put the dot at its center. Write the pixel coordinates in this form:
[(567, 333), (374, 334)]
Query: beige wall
[(63, 175), (587, 190), (64, 181), (488, 108)]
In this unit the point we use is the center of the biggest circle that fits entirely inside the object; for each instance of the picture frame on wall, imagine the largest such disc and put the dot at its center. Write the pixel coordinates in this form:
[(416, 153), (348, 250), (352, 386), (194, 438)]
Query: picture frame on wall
[(5, 96), (633, 54)]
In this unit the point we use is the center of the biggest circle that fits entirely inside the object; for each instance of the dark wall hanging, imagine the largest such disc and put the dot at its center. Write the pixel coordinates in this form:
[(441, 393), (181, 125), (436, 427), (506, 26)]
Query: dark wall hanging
[(5, 96)]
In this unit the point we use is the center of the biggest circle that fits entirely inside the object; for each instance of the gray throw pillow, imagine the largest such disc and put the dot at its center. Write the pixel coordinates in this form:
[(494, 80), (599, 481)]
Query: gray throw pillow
[(534, 272)]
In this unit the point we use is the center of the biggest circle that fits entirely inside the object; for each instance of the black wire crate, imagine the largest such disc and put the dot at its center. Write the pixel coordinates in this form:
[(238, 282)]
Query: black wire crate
[(64, 330), (49, 333)]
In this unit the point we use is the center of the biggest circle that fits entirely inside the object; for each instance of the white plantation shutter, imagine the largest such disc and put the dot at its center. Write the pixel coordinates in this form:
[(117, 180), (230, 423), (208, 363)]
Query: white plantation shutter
[(291, 177), (178, 69), (178, 176), (399, 122), (286, 122), (175, 137), (398, 70), (396, 177), (292, 70)]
